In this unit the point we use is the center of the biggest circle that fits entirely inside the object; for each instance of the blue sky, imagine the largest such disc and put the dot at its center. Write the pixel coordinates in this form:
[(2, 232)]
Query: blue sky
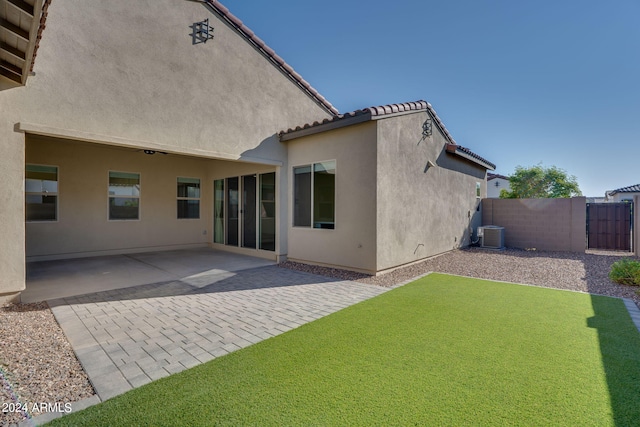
[(519, 83)]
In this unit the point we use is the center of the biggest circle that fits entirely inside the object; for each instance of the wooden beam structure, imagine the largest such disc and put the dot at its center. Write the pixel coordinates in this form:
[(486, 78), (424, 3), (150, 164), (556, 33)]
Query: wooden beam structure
[(23, 6), (16, 53), (23, 34)]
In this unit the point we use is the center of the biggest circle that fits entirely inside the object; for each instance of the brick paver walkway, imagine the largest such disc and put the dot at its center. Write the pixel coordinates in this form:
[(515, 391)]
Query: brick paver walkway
[(128, 337)]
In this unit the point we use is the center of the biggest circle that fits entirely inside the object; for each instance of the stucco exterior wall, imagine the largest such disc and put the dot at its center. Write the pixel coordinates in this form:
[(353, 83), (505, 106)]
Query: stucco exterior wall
[(352, 243), (421, 211), (12, 245), (543, 224), (83, 227), (129, 71)]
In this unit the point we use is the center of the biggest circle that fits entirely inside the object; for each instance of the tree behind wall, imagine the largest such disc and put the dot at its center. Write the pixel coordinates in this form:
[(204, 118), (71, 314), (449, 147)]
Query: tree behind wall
[(541, 182)]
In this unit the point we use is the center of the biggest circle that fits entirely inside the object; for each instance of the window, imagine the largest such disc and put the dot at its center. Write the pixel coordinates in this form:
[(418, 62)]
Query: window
[(478, 187), (41, 193), (188, 198), (314, 195), (124, 196)]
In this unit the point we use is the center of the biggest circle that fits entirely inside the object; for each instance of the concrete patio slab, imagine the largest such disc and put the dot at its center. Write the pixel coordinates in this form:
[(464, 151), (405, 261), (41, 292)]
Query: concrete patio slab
[(196, 267)]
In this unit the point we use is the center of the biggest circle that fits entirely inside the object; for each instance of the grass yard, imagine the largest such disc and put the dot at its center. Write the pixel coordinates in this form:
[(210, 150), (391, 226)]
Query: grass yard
[(443, 350)]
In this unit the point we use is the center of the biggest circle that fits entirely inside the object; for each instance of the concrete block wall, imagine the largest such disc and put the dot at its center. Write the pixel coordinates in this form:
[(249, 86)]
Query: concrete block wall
[(543, 224)]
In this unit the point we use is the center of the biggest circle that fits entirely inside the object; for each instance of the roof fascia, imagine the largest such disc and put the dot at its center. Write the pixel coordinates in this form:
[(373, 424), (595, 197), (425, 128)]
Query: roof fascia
[(336, 124), (399, 113), (451, 149)]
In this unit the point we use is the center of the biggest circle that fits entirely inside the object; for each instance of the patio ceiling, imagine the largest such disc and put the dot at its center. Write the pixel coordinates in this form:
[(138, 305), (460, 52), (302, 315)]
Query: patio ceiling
[(20, 22)]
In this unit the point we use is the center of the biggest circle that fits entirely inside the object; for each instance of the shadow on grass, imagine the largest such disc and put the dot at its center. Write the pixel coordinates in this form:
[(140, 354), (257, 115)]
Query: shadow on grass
[(618, 336), (619, 341)]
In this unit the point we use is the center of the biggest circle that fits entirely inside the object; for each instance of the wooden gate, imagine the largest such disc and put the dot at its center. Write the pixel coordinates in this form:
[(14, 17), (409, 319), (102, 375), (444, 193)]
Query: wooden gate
[(609, 226)]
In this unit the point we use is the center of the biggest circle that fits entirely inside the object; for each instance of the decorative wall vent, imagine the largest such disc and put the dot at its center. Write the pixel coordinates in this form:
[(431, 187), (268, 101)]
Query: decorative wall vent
[(427, 129), (202, 31)]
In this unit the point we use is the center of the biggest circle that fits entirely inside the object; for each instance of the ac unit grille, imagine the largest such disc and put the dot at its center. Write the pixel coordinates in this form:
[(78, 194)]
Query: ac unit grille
[(493, 237)]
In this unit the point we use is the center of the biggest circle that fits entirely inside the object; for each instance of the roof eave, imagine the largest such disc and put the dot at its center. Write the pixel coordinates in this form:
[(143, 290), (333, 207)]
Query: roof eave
[(323, 127), (457, 150), (17, 64)]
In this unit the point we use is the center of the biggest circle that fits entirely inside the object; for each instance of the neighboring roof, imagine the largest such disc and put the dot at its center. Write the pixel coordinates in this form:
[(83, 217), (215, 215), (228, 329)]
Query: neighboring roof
[(270, 54), (380, 112), (629, 189), (491, 176), (21, 23)]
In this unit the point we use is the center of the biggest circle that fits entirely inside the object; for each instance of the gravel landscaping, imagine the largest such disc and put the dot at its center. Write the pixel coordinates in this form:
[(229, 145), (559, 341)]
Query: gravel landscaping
[(588, 272), (37, 364)]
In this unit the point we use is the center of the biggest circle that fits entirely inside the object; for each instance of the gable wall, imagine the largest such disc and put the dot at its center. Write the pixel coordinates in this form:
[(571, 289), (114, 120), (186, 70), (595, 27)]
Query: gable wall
[(421, 211), (128, 69)]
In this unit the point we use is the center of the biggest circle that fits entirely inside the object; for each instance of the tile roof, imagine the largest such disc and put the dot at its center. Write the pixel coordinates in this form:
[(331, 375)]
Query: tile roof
[(470, 155), (383, 111), (629, 189), (372, 113), (41, 27), (270, 54)]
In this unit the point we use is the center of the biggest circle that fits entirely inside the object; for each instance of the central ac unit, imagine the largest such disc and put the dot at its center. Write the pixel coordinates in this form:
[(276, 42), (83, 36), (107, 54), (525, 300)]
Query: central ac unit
[(491, 236)]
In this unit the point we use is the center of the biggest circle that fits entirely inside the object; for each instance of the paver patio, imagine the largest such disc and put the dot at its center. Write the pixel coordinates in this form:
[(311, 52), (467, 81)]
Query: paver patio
[(125, 338)]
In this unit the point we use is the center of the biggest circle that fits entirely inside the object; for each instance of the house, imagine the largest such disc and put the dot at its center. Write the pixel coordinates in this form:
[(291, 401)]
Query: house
[(623, 194), (495, 184), (145, 126)]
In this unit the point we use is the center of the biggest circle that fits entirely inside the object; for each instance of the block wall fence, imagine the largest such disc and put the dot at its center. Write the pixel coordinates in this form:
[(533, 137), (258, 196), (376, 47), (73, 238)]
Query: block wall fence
[(542, 224)]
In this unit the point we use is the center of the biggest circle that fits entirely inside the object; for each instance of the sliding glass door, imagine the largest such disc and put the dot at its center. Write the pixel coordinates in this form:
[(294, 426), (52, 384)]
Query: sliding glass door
[(232, 212), (249, 211), (268, 211), (245, 211)]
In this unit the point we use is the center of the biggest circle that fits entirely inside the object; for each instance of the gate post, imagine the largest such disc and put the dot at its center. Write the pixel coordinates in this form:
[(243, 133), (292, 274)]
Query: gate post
[(578, 224), (636, 226)]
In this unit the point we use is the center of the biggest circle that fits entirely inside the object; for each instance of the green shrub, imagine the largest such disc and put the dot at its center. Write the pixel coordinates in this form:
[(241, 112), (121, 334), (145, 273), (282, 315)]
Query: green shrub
[(626, 272)]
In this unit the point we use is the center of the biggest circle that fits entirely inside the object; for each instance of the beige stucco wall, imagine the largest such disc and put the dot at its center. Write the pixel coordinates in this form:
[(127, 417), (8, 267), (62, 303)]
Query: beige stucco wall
[(421, 211), (352, 243), (12, 246), (128, 71), (543, 224), (83, 227)]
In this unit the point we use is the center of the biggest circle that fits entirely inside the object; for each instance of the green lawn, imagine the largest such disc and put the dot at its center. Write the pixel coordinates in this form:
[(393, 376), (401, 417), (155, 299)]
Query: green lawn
[(443, 350)]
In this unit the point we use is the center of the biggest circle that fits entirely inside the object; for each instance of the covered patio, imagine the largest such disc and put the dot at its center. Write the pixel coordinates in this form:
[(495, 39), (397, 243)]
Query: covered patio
[(197, 268)]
